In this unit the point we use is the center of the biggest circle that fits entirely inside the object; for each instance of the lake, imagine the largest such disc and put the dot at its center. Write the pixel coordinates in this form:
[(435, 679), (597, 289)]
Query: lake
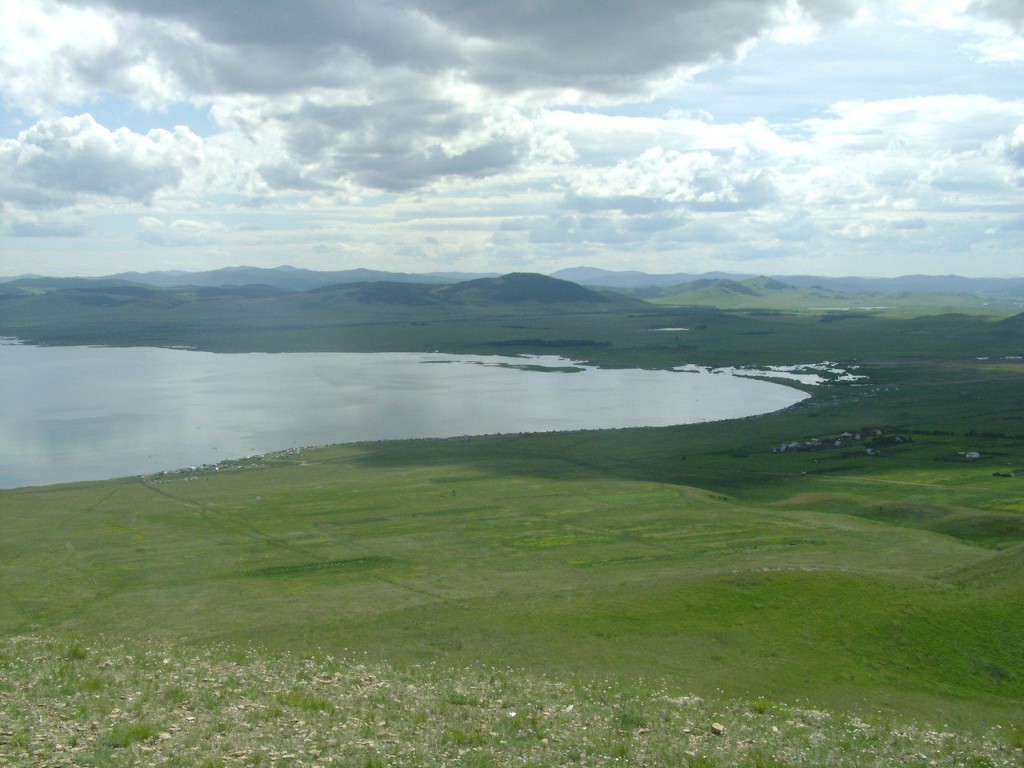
[(89, 413)]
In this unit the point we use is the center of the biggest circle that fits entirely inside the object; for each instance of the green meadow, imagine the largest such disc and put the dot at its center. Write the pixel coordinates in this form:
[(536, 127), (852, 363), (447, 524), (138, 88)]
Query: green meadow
[(881, 578)]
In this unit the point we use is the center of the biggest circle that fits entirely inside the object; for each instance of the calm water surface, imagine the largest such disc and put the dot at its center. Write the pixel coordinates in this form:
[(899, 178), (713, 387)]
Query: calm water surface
[(88, 413)]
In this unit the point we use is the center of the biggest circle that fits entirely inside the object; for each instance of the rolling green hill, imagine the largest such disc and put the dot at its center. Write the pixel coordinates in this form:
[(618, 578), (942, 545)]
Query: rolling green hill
[(1013, 324), (851, 582), (497, 293), (519, 288)]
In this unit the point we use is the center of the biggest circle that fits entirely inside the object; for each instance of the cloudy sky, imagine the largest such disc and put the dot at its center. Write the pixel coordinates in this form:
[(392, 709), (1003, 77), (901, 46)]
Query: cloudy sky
[(829, 137)]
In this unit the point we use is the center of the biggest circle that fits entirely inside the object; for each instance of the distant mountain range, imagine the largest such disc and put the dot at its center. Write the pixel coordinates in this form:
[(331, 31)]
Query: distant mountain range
[(1011, 286), (716, 289), (295, 279), (289, 278), (506, 290), (358, 315), (632, 279), (285, 277)]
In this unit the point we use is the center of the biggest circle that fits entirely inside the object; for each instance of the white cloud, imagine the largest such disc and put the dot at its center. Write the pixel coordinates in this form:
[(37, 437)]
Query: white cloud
[(403, 143), (1009, 11), (935, 153), (53, 55), (700, 180), (65, 228), (32, 75), (59, 161), (1015, 148), (952, 122), (179, 232), (991, 29)]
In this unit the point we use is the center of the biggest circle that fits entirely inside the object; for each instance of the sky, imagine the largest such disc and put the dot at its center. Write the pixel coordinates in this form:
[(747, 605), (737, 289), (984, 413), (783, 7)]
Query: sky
[(777, 137)]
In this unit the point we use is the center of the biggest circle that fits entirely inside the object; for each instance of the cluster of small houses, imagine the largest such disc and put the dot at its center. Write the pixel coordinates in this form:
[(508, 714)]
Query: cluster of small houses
[(842, 440), (875, 436)]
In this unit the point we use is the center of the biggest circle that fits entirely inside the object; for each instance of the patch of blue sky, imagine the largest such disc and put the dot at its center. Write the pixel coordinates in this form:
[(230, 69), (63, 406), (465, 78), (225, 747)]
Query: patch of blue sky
[(114, 112), (788, 82), (652, 108), (785, 83), (13, 121)]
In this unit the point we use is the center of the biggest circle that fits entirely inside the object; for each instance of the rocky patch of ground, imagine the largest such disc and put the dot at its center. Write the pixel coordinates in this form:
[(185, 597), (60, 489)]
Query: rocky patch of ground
[(108, 704)]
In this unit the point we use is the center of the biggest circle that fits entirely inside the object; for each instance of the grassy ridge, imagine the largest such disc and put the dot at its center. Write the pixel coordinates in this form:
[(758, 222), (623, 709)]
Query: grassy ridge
[(496, 551)]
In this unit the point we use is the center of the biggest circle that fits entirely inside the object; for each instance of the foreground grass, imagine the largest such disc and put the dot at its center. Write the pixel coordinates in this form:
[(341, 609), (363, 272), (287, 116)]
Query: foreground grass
[(112, 704)]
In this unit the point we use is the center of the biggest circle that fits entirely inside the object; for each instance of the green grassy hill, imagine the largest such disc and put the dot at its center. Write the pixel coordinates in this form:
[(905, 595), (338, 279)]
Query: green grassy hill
[(517, 288), (680, 557), (1013, 324)]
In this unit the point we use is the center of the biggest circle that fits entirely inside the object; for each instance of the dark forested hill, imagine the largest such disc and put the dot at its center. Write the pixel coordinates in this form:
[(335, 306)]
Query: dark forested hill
[(520, 287)]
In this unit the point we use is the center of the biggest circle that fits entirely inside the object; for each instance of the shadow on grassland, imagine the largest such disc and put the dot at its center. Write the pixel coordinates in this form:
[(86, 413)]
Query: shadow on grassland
[(701, 454)]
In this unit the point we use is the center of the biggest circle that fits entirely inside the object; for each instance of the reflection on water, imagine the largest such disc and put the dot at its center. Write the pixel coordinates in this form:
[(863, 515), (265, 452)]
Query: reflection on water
[(76, 413)]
